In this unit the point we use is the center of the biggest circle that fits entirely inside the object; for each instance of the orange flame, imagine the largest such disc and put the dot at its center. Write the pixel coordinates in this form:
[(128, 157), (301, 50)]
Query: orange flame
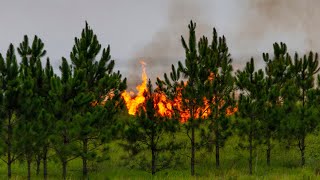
[(133, 103), (164, 106), (103, 99)]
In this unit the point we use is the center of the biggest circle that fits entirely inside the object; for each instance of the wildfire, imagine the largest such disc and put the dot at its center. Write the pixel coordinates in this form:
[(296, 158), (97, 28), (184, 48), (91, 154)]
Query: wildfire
[(133, 103), (164, 106)]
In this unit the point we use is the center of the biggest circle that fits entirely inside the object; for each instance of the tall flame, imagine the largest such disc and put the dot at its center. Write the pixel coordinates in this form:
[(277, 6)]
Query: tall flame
[(133, 103)]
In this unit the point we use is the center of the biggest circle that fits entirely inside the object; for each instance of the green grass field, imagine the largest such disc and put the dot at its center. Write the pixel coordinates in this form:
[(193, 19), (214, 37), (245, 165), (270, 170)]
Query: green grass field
[(234, 165)]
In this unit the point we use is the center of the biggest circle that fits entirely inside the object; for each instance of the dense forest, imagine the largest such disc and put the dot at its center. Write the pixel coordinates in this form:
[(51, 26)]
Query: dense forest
[(190, 113)]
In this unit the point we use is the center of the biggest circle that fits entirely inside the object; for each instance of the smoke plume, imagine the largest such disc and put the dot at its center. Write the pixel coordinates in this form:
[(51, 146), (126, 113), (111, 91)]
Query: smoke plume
[(251, 27), (293, 21), (165, 46)]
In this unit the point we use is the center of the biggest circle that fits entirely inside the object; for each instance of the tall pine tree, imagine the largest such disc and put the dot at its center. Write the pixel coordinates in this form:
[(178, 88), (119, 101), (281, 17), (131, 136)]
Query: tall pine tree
[(277, 72), (9, 94), (46, 120), (251, 101), (219, 90), (69, 99), (31, 99), (148, 134), (302, 114), (192, 90), (104, 85)]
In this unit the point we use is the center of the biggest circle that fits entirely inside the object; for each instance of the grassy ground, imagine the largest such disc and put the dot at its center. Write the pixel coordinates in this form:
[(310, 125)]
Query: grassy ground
[(234, 165)]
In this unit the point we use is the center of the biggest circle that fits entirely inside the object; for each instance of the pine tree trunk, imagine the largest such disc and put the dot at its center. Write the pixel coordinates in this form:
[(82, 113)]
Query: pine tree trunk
[(9, 165), (38, 159), (302, 150), (64, 169), (192, 150), (211, 143), (153, 160), (302, 141), (217, 143), (153, 154), (84, 158), (251, 146), (29, 167), (9, 158), (9, 147), (217, 153), (45, 171), (64, 160), (268, 148)]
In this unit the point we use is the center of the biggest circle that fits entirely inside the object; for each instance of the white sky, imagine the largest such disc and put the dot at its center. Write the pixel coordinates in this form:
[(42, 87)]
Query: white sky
[(151, 29)]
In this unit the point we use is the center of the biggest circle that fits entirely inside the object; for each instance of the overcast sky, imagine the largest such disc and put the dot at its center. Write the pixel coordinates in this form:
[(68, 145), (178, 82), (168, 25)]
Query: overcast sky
[(151, 29)]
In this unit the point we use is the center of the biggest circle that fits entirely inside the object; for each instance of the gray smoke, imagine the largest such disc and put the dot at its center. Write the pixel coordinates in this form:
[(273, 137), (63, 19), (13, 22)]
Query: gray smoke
[(250, 26), (288, 16), (165, 46), (264, 22)]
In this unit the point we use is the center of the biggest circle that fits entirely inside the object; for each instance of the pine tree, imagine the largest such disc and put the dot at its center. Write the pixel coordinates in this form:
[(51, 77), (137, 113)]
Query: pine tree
[(302, 119), (147, 134), (104, 85), (31, 74), (251, 84), (46, 120), (219, 88), (277, 74), (193, 90), (9, 93), (69, 98)]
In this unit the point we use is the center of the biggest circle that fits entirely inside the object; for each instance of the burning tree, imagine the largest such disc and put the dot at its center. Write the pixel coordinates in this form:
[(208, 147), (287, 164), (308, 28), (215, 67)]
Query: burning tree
[(150, 131), (190, 94), (219, 88), (205, 91)]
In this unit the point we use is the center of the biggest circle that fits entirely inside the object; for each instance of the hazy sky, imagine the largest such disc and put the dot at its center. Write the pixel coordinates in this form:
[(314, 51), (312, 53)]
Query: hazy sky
[(151, 30)]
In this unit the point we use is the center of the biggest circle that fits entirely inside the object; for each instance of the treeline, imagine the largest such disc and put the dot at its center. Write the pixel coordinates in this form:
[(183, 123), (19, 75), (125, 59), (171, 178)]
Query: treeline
[(74, 115), (69, 115)]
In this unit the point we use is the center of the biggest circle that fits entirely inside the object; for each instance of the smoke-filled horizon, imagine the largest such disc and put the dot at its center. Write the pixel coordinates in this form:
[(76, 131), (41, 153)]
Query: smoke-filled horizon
[(251, 29), (151, 31)]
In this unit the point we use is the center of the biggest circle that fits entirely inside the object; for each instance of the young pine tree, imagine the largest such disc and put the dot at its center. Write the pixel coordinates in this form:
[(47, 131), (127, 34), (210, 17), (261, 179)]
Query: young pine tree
[(69, 98), (302, 119), (219, 89), (104, 85), (192, 91), (31, 98), (251, 101), (277, 74), (152, 134), (46, 120), (9, 94)]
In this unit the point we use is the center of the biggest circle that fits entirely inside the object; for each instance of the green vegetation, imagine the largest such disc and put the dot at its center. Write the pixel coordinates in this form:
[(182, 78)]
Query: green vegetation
[(285, 164), (213, 123)]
